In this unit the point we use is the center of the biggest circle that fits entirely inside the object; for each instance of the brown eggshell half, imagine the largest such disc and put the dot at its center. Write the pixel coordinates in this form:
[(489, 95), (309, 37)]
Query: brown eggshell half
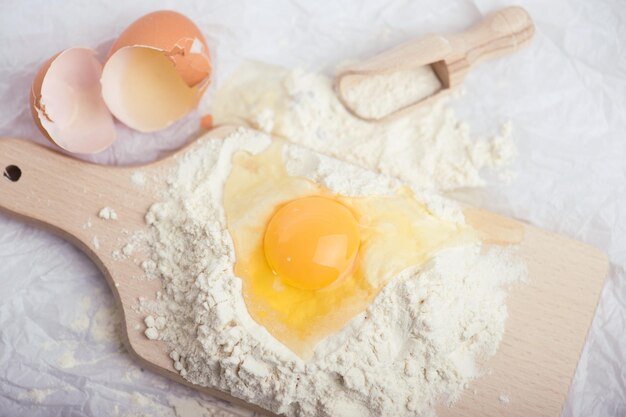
[(156, 71), (35, 96), (177, 36), (66, 102)]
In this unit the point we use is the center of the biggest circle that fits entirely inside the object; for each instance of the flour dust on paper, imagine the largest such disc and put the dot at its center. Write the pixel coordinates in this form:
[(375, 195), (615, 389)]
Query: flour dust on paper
[(429, 148)]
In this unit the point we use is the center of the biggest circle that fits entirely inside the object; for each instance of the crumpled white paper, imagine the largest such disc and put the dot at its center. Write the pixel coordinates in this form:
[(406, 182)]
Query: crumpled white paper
[(60, 352)]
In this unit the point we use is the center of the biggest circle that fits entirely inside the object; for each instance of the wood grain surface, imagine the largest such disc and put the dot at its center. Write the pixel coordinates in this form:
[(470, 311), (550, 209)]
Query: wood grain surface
[(549, 316)]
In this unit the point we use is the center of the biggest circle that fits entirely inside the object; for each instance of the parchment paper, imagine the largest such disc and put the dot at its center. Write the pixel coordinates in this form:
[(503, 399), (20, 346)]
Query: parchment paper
[(60, 351)]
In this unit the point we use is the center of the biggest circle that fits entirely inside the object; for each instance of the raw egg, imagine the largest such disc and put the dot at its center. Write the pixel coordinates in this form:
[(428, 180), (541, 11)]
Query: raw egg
[(310, 260), (156, 71), (66, 102)]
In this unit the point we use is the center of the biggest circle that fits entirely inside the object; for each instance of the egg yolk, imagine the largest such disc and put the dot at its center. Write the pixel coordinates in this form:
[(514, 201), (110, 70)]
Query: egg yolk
[(311, 242)]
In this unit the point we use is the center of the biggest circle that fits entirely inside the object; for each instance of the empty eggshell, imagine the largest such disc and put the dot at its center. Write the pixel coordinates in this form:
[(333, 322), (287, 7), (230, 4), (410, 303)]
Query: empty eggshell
[(67, 105), (156, 71)]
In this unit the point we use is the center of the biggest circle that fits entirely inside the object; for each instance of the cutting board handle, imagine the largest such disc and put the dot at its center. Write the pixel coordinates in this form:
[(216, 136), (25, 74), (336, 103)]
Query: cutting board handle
[(45, 187)]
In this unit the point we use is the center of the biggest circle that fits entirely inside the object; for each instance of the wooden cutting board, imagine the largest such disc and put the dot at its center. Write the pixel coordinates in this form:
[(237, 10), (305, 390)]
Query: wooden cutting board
[(545, 332)]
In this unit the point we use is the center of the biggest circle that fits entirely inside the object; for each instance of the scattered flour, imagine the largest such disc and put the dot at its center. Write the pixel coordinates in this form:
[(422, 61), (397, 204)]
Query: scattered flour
[(135, 243), (152, 333), (144, 405), (378, 96), (149, 321), (138, 178), (160, 323), (128, 249), (67, 359), (106, 324), (132, 375), (419, 342), (140, 399), (37, 395), (191, 407), (504, 399), (48, 345), (96, 242), (81, 321), (153, 325), (107, 213), (430, 148)]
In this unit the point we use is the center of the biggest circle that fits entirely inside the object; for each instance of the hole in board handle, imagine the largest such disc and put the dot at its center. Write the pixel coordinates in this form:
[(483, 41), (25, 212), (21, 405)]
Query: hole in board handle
[(13, 173)]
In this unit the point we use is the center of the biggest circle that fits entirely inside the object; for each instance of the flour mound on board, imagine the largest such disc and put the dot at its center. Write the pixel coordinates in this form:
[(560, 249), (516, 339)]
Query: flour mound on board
[(419, 342), (429, 148)]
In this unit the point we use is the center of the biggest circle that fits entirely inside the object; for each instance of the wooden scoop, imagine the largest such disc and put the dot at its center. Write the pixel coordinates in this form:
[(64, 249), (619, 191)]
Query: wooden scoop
[(450, 56), (545, 332)]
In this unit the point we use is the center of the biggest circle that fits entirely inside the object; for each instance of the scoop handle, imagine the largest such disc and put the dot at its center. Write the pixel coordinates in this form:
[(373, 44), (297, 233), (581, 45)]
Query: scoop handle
[(500, 33), (410, 54)]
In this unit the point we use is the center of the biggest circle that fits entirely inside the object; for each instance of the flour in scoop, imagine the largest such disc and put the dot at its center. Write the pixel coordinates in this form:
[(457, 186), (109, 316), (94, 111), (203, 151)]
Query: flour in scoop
[(429, 148), (420, 342), (378, 96)]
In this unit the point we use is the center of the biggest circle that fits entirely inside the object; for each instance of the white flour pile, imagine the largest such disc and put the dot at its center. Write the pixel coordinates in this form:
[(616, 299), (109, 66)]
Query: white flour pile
[(419, 342), (429, 148), (378, 96)]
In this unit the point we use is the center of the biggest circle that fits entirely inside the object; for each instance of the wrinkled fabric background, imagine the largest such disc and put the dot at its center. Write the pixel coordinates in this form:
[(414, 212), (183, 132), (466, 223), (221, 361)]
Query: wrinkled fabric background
[(60, 351)]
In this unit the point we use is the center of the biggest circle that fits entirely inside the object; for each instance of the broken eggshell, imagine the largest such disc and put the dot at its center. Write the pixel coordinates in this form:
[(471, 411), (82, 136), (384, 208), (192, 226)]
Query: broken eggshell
[(66, 102), (156, 71)]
